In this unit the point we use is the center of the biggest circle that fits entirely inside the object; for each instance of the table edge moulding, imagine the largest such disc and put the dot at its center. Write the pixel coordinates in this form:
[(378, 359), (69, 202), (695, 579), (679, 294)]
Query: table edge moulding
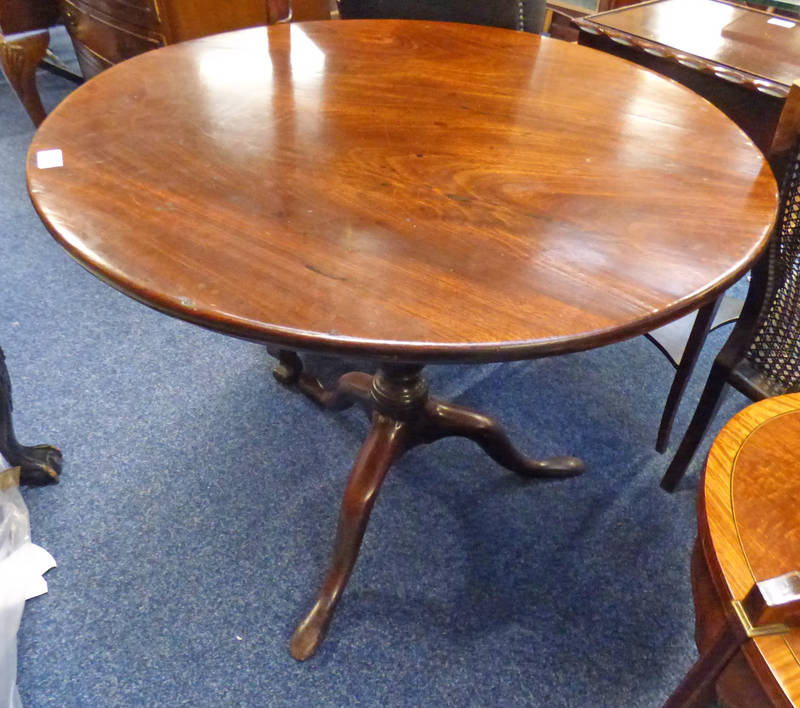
[(405, 191)]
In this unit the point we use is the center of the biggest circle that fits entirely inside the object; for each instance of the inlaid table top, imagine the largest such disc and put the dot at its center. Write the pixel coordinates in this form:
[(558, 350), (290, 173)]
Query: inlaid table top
[(410, 190), (750, 524)]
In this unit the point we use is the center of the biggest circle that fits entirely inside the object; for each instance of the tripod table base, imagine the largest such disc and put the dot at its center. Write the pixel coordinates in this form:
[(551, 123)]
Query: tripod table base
[(403, 415)]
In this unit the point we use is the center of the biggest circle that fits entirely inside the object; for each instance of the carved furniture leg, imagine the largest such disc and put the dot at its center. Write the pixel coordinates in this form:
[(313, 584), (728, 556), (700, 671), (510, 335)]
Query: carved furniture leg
[(40, 464), (403, 416), (20, 55)]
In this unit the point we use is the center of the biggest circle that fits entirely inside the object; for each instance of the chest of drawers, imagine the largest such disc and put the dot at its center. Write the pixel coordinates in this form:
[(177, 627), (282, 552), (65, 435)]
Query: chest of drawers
[(104, 32)]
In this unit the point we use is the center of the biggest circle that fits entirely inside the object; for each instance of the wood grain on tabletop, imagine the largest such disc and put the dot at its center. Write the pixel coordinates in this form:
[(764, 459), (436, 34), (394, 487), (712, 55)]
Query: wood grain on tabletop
[(749, 519), (426, 190)]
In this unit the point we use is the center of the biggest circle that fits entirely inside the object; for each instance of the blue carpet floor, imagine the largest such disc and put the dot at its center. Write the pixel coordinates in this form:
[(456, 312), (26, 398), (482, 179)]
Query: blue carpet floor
[(198, 501)]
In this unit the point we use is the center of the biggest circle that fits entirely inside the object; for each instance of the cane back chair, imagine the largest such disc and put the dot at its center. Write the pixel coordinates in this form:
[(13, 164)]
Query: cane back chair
[(761, 357)]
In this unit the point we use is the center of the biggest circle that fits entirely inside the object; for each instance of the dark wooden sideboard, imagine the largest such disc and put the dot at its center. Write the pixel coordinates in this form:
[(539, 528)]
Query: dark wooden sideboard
[(105, 32)]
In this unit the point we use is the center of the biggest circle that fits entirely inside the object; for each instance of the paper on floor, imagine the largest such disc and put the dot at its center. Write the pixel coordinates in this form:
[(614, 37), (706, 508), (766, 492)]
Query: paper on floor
[(26, 566)]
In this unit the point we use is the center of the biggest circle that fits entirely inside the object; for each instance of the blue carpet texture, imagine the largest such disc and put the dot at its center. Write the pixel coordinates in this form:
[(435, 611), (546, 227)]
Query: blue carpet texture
[(199, 499)]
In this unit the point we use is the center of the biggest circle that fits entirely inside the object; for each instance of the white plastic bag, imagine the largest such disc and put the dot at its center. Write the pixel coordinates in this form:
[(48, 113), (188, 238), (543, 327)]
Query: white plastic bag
[(15, 532)]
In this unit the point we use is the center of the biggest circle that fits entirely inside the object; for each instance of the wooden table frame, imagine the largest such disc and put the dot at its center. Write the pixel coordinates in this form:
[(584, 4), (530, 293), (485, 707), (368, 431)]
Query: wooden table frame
[(371, 202), (402, 416)]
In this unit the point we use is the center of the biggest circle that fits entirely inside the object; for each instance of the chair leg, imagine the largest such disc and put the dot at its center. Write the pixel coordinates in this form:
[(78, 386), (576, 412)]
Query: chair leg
[(697, 688), (706, 409), (697, 338)]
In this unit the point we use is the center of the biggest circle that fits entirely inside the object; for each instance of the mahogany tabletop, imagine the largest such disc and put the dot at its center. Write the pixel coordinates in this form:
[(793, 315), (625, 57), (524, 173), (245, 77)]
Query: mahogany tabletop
[(744, 45), (405, 190), (750, 525)]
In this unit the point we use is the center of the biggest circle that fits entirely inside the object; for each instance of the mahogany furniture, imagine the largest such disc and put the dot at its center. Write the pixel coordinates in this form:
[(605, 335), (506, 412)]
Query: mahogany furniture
[(23, 43), (561, 14), (39, 464), (748, 534), (761, 358), (408, 192), (741, 59), (681, 342), (683, 352), (737, 57), (19, 57), (105, 32)]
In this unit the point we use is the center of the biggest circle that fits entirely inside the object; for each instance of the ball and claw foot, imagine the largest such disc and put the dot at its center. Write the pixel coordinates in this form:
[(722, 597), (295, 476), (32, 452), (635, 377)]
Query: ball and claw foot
[(39, 464)]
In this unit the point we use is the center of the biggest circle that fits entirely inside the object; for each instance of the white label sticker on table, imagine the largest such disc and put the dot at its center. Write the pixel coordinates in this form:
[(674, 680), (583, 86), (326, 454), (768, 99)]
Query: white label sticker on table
[(49, 158), (781, 23)]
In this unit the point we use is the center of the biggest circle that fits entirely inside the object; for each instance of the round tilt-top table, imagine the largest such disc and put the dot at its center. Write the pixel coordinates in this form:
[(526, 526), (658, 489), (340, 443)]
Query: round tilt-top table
[(409, 192)]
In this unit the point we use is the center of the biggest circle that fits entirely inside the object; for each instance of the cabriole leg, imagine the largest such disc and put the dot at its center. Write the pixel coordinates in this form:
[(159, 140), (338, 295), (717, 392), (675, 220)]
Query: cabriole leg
[(384, 444), (448, 419), (20, 55), (39, 464), (403, 416)]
